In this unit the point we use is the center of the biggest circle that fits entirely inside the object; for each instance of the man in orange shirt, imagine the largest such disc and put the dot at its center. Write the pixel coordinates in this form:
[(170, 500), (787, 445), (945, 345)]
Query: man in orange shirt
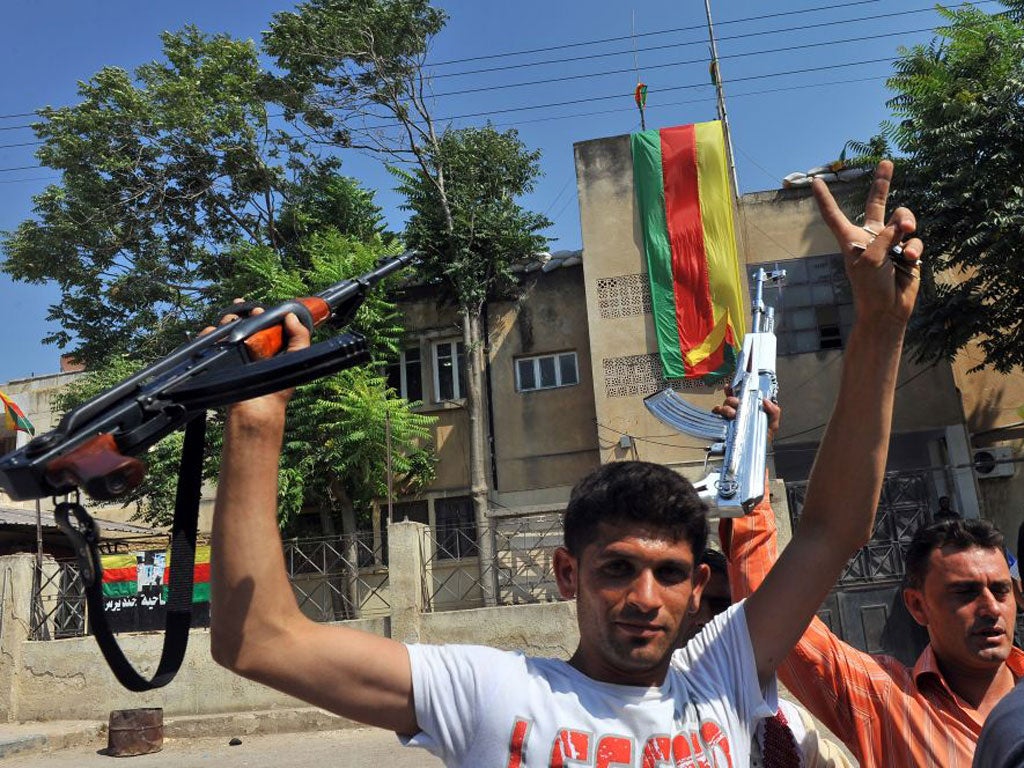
[(958, 587)]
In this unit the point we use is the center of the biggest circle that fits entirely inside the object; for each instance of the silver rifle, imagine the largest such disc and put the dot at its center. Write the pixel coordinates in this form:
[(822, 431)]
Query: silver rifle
[(739, 484)]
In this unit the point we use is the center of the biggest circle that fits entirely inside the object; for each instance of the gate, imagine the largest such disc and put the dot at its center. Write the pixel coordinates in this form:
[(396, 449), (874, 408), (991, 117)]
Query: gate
[(866, 607)]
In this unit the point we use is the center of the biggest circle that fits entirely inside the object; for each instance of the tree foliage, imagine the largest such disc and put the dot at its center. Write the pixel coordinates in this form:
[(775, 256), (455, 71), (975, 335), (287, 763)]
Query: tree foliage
[(159, 173), (487, 171), (958, 133), (177, 196), (354, 71)]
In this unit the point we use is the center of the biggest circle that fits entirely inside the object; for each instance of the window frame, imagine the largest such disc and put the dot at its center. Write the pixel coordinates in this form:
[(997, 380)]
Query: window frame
[(403, 372), (556, 356), (458, 388)]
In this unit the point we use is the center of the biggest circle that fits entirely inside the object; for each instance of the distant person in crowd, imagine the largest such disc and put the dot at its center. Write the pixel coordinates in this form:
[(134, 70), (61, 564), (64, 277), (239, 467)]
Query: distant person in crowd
[(791, 737), (945, 510)]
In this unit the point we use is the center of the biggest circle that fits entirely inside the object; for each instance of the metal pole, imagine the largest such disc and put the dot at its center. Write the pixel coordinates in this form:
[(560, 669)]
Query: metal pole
[(720, 95), (387, 435)]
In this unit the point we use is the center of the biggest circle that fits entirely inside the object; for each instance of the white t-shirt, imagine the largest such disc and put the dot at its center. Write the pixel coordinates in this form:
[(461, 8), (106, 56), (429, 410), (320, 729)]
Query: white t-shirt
[(487, 708)]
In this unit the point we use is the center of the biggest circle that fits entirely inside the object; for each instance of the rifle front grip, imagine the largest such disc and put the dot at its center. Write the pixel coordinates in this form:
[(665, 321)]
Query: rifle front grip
[(264, 344), (98, 467)]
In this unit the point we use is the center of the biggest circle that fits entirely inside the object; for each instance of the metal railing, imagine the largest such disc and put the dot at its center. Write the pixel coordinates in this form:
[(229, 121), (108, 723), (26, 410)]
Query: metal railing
[(523, 550), (902, 508), (58, 603), (342, 577), (522, 570)]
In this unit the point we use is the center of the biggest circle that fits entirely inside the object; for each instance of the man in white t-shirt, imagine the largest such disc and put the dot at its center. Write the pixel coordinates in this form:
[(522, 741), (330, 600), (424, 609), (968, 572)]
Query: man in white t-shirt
[(634, 536)]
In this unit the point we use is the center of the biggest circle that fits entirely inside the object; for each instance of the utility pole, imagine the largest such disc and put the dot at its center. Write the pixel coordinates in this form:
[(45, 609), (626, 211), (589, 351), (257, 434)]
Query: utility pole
[(720, 95)]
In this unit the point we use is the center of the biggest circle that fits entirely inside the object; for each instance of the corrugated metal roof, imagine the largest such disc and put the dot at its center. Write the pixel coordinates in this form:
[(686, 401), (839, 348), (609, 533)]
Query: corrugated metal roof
[(27, 517), (546, 262)]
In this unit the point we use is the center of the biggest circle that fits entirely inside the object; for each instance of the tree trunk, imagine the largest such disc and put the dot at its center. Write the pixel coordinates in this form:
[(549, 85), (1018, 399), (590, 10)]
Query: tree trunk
[(479, 485), (344, 586)]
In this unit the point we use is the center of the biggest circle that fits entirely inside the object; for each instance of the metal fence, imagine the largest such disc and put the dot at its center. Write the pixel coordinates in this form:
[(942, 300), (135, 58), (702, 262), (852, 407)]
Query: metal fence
[(902, 508), (522, 570), (342, 577), (58, 603)]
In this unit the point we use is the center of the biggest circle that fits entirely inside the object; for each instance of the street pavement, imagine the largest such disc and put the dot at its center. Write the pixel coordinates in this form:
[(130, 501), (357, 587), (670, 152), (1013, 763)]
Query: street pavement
[(351, 747)]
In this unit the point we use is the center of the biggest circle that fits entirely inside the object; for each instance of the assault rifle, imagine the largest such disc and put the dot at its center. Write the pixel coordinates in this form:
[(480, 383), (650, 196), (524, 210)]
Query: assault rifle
[(96, 445), (742, 442)]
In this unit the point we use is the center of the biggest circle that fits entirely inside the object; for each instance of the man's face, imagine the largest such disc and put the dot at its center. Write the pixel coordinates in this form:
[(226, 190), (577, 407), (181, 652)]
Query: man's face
[(635, 589), (967, 605)]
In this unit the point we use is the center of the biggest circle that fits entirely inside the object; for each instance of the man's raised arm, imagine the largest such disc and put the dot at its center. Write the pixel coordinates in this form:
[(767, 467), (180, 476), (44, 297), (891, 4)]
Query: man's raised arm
[(846, 480), (257, 629)]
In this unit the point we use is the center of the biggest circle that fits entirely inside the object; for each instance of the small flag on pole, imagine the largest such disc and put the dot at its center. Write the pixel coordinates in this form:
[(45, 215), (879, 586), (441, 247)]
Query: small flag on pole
[(14, 419), (685, 203), (640, 97)]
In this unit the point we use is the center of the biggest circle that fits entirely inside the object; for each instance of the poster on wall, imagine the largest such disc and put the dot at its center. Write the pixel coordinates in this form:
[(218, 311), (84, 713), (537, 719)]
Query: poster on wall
[(136, 586)]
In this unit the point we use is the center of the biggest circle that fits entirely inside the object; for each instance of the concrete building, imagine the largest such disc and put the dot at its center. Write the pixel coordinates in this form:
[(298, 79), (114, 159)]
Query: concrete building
[(570, 361)]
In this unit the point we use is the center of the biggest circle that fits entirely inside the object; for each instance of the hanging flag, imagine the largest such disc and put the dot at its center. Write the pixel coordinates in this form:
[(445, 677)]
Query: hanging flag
[(14, 419), (120, 580), (685, 203), (200, 576)]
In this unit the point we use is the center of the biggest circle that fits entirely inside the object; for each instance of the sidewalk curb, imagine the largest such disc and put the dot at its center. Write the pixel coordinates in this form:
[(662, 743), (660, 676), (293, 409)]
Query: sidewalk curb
[(28, 738), (40, 737)]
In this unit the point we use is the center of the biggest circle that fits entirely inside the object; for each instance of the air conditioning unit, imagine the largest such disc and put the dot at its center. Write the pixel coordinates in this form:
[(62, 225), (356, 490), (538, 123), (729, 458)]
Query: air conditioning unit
[(993, 462)]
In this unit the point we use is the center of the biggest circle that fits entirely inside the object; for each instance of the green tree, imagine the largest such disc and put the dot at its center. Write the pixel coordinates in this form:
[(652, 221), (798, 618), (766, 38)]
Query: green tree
[(343, 428), (355, 74), (177, 195), (958, 134), (160, 173)]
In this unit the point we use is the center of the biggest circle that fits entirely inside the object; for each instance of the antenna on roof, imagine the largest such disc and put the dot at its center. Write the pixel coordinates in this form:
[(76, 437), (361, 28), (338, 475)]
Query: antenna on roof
[(640, 93), (716, 78)]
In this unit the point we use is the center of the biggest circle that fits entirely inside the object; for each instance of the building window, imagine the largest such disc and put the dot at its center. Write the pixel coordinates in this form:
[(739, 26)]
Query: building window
[(547, 371), (8, 443), (455, 528), (406, 375), (449, 371), (814, 306)]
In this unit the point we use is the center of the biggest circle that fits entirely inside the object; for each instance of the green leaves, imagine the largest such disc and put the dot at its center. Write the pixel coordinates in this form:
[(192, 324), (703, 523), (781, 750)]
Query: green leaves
[(958, 131), (162, 172), (482, 172)]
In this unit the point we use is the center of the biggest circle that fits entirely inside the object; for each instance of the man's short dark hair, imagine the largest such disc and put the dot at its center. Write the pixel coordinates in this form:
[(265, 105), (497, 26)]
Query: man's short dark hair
[(955, 533), (635, 492), (716, 561)]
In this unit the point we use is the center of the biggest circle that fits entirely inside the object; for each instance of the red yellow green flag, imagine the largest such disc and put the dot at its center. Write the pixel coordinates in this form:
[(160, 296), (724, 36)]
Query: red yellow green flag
[(14, 418), (685, 203), (200, 576)]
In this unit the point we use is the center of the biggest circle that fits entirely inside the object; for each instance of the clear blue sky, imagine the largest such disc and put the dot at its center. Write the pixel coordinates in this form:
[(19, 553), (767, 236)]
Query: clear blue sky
[(801, 77)]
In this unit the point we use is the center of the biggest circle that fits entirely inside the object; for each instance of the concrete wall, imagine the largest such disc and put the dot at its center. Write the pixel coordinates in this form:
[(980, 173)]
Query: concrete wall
[(548, 318), (68, 679), (774, 226), (994, 411)]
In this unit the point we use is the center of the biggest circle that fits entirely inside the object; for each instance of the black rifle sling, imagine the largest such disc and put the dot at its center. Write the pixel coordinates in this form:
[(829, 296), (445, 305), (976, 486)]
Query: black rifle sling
[(183, 557)]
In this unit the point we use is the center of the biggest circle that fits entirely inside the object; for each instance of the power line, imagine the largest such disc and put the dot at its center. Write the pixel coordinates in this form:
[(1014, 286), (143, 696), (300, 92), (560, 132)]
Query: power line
[(723, 38), (692, 28), (759, 33), (591, 99), (663, 65)]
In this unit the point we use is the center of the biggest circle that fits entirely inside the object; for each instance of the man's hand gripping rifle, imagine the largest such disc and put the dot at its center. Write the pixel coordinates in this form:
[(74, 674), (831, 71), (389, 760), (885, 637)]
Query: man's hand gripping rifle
[(742, 442), (95, 445)]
